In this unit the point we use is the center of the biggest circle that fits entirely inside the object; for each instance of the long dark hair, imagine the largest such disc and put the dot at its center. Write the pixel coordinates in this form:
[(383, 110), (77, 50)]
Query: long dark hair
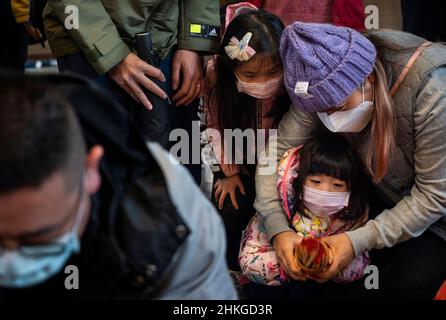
[(331, 155), (238, 110)]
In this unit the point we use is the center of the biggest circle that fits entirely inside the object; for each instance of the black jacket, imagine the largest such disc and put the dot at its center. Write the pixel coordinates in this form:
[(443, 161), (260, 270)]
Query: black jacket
[(5, 8), (134, 229)]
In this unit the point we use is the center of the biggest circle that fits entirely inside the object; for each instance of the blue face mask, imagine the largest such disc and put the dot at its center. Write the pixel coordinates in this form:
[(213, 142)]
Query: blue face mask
[(29, 266)]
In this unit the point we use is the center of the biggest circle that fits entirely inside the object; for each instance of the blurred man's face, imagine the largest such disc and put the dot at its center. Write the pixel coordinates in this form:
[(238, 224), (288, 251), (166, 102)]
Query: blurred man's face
[(37, 216)]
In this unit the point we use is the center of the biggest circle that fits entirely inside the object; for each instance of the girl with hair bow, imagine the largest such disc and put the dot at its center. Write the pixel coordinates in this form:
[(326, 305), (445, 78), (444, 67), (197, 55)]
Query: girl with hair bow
[(243, 90)]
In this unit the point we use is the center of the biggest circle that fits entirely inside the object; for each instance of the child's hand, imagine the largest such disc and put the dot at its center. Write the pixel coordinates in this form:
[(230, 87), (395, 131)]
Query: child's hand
[(226, 186), (284, 244), (343, 255)]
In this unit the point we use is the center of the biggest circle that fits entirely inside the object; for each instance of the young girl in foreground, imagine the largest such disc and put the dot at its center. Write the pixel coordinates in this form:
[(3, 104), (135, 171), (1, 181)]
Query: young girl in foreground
[(323, 192)]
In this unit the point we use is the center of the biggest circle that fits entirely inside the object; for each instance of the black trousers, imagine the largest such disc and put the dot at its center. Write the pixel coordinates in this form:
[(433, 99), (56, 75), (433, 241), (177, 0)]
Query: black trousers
[(235, 221), (425, 18), (155, 125), (14, 48)]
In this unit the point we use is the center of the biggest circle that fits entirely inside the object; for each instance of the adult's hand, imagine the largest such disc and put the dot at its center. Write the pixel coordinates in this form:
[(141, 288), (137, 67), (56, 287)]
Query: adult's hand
[(343, 255), (284, 244), (187, 66), (32, 32), (226, 186), (131, 73)]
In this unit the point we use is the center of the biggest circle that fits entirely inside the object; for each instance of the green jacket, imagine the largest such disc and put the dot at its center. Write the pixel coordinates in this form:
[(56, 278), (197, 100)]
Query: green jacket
[(105, 24)]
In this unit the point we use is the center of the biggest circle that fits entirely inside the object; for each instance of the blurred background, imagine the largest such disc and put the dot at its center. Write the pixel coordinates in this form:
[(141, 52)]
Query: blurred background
[(21, 49)]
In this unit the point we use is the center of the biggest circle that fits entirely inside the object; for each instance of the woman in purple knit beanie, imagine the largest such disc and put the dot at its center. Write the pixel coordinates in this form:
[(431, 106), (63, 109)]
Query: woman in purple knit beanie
[(384, 92)]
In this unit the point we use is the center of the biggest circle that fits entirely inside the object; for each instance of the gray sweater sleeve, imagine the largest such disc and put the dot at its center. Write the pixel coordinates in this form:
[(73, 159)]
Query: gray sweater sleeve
[(427, 201), (294, 130)]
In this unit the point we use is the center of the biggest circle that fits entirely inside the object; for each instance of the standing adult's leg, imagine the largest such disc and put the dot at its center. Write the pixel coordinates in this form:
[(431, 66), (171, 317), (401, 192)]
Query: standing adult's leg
[(154, 124), (14, 50), (183, 117)]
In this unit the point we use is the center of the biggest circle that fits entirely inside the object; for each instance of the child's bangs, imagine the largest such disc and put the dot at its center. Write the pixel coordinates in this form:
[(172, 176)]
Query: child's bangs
[(264, 62), (331, 163)]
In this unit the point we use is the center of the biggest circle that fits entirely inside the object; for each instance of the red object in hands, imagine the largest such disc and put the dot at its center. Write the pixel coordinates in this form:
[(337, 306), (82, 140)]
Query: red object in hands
[(441, 295), (313, 256)]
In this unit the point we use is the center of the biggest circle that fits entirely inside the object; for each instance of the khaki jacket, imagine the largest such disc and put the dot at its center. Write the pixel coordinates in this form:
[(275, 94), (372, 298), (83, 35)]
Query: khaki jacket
[(105, 26)]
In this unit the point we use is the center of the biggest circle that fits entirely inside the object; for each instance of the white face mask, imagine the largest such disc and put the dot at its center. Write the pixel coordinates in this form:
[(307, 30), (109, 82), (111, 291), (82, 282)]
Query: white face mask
[(260, 90), (29, 266), (354, 120), (323, 203)]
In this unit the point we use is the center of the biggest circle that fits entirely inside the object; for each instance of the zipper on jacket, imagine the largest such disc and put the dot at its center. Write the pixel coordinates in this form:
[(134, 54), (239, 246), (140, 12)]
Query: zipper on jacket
[(259, 113)]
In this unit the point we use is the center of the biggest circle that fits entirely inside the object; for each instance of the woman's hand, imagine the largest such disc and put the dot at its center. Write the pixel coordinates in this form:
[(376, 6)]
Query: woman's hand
[(284, 244), (226, 186), (343, 255)]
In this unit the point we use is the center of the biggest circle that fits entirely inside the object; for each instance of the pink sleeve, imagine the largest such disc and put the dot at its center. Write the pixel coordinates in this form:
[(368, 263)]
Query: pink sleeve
[(257, 258), (208, 105)]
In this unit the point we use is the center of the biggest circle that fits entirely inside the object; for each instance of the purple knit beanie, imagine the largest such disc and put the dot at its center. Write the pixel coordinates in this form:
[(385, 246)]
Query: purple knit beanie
[(324, 64)]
